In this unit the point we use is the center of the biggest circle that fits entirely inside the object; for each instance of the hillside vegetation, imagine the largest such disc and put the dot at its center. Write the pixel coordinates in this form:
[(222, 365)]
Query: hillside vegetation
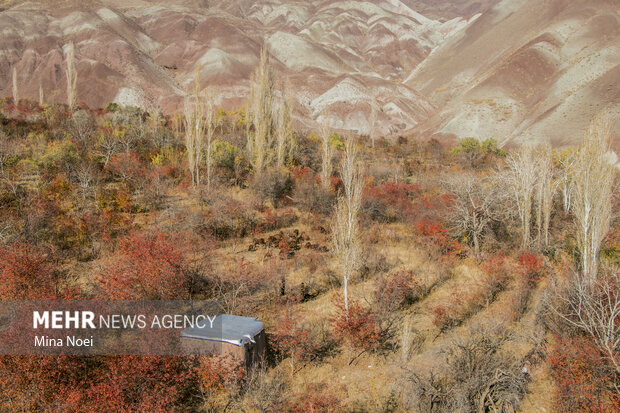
[(391, 275)]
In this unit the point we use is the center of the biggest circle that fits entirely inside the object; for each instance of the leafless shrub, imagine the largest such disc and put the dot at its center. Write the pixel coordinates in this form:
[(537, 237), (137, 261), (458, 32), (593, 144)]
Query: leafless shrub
[(410, 340), (85, 175), (272, 185), (593, 307), (265, 390), (477, 376), (310, 196), (477, 202)]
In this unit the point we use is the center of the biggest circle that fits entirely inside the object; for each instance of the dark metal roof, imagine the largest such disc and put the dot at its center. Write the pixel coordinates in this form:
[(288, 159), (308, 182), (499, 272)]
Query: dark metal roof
[(227, 329)]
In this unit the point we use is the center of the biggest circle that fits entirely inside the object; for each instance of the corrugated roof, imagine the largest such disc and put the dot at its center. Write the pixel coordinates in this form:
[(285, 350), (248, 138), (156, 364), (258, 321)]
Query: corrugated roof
[(227, 328)]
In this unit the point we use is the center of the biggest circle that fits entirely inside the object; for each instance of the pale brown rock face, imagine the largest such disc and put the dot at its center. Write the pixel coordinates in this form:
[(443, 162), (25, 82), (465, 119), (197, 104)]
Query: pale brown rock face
[(521, 70)]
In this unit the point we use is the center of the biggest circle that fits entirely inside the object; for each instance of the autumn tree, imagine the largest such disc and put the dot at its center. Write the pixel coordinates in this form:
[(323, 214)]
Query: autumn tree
[(327, 152), (594, 174), (372, 121), (195, 125), (209, 132), (284, 130), (582, 380), (260, 142), (356, 326), (71, 73), (345, 226), (15, 88), (473, 153)]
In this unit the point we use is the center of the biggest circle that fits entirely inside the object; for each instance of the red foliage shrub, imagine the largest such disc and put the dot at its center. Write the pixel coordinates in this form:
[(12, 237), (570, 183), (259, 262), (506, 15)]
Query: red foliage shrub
[(291, 339), (390, 201), (146, 266), (532, 267), (497, 270), (400, 289), (41, 383), (430, 229), (219, 374), (434, 236), (336, 184), (93, 384), (359, 327), (138, 383), (302, 173), (582, 381), (127, 166), (25, 273)]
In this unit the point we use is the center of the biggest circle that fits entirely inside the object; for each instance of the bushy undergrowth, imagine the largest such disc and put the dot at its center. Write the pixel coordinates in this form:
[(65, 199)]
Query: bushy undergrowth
[(101, 203)]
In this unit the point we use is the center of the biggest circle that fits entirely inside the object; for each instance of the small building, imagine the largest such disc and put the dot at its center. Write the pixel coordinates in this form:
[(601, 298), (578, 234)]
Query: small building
[(243, 338)]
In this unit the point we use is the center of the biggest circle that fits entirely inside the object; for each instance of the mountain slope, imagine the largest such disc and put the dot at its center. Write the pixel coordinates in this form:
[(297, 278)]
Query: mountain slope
[(144, 53), (526, 71)]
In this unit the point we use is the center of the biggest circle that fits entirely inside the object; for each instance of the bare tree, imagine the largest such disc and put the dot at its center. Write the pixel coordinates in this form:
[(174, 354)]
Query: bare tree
[(71, 76), (566, 159), (85, 175), (107, 144), (476, 201), (15, 88), (41, 96), (81, 126), (194, 129), (261, 142), (372, 121), (345, 229), (209, 132), (594, 174), (521, 179), (327, 152), (545, 192)]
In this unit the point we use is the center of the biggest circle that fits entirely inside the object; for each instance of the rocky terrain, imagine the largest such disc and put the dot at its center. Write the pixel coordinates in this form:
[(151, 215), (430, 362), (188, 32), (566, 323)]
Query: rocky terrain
[(509, 70), (526, 71)]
